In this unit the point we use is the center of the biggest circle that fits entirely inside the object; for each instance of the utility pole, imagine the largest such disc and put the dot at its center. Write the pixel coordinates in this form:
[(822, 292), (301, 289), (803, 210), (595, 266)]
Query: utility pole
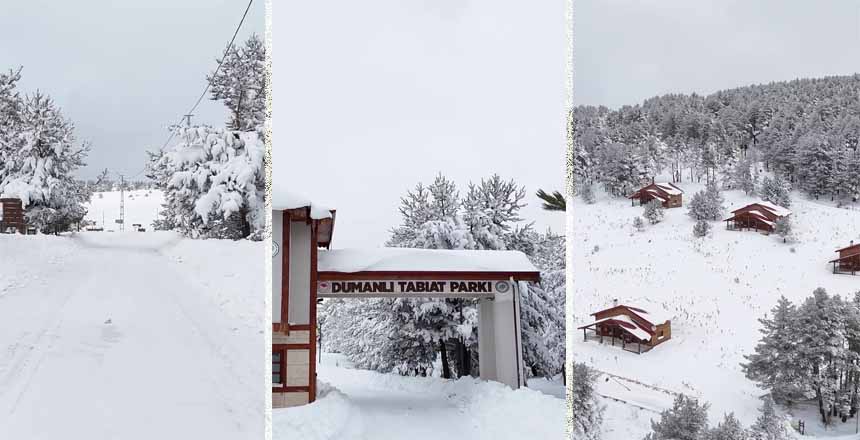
[(187, 119), (121, 203)]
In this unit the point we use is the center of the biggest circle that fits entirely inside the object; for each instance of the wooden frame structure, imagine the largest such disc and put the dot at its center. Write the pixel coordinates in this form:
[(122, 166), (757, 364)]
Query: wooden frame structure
[(848, 261), (760, 216), (496, 280), (667, 193), (631, 325)]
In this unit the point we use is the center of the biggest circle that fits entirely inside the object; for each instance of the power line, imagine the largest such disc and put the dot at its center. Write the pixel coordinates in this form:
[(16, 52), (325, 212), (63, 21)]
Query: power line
[(209, 83)]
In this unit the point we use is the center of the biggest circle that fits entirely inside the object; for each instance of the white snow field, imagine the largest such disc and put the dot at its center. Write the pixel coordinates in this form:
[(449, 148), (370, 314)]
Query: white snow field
[(141, 207), (131, 336), (365, 405), (714, 289)]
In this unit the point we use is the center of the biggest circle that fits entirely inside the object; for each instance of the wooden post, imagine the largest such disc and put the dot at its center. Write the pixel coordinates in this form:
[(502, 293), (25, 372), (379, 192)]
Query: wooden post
[(584, 335), (640, 347)]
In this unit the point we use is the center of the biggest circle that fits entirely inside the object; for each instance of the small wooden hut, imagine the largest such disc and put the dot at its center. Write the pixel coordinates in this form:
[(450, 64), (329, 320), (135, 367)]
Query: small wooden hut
[(631, 326), (761, 216), (668, 194), (848, 261), (12, 216)]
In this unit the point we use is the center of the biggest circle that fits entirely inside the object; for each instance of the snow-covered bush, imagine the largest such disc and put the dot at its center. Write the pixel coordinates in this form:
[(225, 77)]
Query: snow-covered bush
[(638, 223), (701, 228), (654, 211), (728, 429)]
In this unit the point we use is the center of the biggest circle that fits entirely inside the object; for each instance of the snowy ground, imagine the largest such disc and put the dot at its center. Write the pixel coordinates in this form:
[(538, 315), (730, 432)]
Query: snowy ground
[(714, 290), (365, 405), (131, 335), (141, 207)]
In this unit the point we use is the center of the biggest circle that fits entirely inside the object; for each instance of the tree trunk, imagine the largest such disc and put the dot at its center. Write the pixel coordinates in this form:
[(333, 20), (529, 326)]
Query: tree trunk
[(446, 367)]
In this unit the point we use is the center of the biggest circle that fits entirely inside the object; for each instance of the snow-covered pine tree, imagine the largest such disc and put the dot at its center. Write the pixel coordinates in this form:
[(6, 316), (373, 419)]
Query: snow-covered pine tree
[(213, 184), (241, 84), (815, 167), (707, 204), (654, 211), (776, 190), (769, 425), (587, 411), (491, 209), (701, 228), (728, 429), (686, 420), (782, 227), (775, 363), (638, 223), (39, 166), (743, 176)]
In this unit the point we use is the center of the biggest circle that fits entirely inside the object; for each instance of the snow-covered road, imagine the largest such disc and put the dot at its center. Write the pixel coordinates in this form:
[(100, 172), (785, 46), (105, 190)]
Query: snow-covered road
[(106, 336), (364, 405)]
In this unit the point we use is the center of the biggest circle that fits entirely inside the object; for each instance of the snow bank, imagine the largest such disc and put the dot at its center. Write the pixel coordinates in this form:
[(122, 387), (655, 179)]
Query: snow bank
[(331, 416), (401, 259)]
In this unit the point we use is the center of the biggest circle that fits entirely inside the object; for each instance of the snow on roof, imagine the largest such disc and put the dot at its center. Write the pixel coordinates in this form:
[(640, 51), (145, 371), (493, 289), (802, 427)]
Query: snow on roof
[(654, 318), (422, 260), (635, 331), (669, 188), (283, 199), (776, 209), (656, 195)]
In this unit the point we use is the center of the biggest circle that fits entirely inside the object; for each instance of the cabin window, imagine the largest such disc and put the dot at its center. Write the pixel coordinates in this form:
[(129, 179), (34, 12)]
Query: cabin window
[(277, 358)]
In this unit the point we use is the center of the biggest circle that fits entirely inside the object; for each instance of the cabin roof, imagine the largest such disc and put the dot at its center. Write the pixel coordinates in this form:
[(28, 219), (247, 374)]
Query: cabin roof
[(651, 318), (857, 245)]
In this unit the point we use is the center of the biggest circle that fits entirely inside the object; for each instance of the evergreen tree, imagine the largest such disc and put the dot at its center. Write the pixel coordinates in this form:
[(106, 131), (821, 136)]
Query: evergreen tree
[(587, 412), (729, 429), (241, 84), (588, 194), (552, 202), (768, 426), (39, 165), (707, 204), (782, 227), (638, 223), (701, 228), (776, 191), (775, 364), (654, 211), (687, 420)]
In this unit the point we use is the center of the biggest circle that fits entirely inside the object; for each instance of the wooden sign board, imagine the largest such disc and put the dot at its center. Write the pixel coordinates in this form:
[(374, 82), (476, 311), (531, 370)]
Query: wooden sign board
[(412, 288)]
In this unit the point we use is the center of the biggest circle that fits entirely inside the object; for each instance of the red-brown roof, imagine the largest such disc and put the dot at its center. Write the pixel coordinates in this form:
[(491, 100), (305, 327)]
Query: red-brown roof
[(849, 247)]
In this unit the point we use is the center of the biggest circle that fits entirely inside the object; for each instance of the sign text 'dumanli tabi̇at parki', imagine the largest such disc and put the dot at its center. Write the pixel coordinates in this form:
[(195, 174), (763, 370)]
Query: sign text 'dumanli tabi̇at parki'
[(413, 287)]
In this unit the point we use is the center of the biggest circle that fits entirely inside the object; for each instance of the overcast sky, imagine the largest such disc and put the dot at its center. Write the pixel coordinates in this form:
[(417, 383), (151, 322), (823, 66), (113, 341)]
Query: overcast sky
[(629, 50), (372, 97), (122, 71)]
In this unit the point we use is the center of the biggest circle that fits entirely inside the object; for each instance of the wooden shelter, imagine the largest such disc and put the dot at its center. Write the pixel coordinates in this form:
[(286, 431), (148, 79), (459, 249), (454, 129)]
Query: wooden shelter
[(668, 194), (631, 326), (761, 216), (848, 261), (12, 216)]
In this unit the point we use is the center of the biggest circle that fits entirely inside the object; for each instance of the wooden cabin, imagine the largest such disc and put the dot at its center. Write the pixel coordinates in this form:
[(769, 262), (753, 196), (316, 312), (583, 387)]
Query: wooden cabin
[(761, 216), (12, 216), (848, 261), (631, 326), (670, 195)]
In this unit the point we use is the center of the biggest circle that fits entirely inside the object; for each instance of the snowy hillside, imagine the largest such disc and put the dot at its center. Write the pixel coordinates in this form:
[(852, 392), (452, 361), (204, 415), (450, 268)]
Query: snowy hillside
[(714, 289), (366, 405), (141, 206), (131, 335)]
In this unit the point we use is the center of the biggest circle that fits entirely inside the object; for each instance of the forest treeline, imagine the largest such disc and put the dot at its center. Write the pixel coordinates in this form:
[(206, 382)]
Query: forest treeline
[(804, 131)]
